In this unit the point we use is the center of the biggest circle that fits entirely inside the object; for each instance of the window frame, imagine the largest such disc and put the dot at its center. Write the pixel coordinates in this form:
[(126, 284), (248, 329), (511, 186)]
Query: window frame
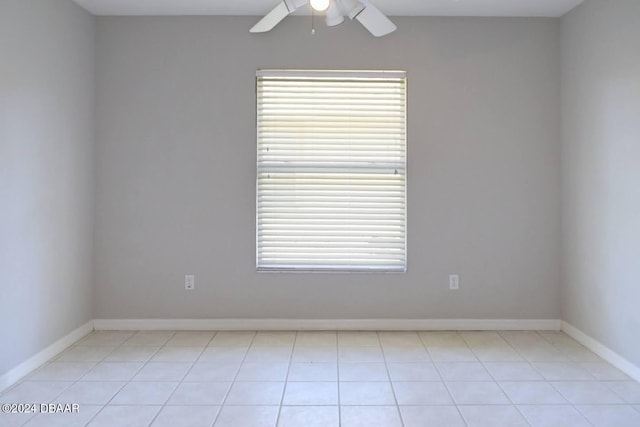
[(354, 74)]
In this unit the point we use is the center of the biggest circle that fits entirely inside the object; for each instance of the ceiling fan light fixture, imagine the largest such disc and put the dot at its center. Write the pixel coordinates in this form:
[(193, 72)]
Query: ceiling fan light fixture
[(320, 5)]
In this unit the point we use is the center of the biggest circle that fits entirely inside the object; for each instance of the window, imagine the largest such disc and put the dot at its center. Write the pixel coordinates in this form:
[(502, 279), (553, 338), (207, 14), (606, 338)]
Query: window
[(331, 170)]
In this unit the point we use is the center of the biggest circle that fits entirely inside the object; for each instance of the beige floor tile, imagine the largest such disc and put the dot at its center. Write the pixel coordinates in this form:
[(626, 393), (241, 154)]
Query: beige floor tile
[(358, 338), (363, 372), (513, 371), (205, 393), (311, 393), (558, 337), (130, 416), (205, 371), (186, 416), (366, 393), (132, 354), (437, 416), (177, 354), (113, 371), (144, 393), (73, 419), (91, 392), (405, 339), (85, 354), (61, 371), (578, 353), (611, 415), (463, 371), (274, 339), (457, 353), (149, 338), (498, 353), (327, 339), (254, 416), (492, 416), (106, 338), (232, 339), (563, 372), (604, 372), (163, 371), (413, 372), (422, 393), (219, 354), (268, 354), (629, 391), (190, 339), (263, 371), (406, 354), (34, 392), (543, 354), (586, 392), (313, 372), (15, 419), (360, 354), (442, 339), (477, 393), (370, 416), (255, 393), (314, 354), (308, 416), (532, 393), (553, 416)]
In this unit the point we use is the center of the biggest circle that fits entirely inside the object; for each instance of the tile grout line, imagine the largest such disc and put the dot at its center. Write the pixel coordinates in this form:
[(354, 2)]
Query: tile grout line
[(446, 386), (104, 405), (338, 376), (498, 384), (185, 375), (548, 381), (48, 362), (286, 378), (386, 367), (127, 382), (75, 345), (234, 378), (119, 389)]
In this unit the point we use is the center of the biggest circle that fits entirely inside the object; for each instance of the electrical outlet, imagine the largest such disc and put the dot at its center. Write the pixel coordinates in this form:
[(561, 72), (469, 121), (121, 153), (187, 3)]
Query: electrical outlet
[(189, 282), (454, 282)]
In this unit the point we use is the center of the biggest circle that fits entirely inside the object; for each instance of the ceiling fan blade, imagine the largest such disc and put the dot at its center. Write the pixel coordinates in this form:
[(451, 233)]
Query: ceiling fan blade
[(375, 21), (272, 18), (334, 15)]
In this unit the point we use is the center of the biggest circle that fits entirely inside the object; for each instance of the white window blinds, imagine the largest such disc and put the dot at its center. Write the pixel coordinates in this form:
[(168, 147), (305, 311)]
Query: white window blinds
[(331, 171)]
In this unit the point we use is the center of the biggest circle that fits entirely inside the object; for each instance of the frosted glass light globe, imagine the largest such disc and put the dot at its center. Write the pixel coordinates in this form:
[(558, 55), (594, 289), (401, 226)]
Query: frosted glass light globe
[(320, 5)]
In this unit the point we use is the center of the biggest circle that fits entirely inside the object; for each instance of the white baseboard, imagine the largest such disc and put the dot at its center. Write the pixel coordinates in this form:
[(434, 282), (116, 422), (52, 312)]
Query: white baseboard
[(329, 324), (602, 350), (29, 365)]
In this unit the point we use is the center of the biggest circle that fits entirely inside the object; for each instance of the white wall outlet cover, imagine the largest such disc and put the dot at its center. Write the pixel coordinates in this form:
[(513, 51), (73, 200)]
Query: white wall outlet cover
[(454, 282), (189, 282)]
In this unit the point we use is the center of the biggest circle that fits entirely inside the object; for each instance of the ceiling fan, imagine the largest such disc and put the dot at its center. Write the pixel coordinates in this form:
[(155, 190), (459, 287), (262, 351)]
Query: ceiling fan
[(362, 10)]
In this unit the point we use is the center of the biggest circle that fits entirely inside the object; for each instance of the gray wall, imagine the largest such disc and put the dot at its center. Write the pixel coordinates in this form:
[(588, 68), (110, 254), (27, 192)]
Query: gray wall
[(46, 140), (176, 168), (601, 172)]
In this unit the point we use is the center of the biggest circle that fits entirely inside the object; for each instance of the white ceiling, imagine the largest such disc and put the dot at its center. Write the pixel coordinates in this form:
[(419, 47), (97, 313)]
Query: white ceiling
[(550, 8)]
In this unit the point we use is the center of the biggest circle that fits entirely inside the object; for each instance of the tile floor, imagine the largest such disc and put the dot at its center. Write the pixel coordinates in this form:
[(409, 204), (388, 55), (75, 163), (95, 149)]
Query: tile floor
[(305, 379)]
